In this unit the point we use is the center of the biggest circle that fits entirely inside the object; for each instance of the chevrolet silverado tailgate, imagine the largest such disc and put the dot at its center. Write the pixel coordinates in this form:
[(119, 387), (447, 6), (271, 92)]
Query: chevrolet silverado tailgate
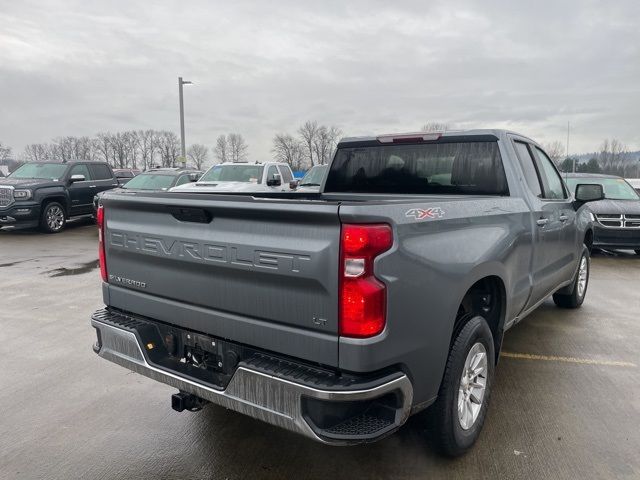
[(261, 272)]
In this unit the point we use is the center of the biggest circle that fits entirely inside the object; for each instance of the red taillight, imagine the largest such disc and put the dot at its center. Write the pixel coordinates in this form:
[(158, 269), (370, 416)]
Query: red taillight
[(362, 295), (101, 247)]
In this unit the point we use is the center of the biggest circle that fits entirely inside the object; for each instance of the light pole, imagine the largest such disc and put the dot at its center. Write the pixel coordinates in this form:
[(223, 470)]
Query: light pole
[(183, 152)]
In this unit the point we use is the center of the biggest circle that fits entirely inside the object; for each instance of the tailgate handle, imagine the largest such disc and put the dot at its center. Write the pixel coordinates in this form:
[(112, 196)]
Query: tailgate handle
[(195, 215)]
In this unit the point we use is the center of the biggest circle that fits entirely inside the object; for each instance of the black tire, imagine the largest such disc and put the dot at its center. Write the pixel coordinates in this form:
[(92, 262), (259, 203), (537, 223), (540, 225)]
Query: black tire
[(637, 252), (449, 435), (573, 296), (47, 223)]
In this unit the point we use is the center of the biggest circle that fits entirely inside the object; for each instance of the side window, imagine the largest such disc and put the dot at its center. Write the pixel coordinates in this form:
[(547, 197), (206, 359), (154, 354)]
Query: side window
[(80, 170), (554, 188), (529, 168), (101, 172), (182, 180), (271, 172), (285, 171)]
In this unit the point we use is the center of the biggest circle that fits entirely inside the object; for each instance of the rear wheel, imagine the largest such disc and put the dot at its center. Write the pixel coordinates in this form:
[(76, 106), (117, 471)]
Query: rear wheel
[(52, 219), (461, 407), (579, 286)]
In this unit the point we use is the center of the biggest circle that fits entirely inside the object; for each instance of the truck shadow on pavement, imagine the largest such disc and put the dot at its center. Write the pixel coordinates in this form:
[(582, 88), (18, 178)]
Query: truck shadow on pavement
[(278, 453), (71, 225)]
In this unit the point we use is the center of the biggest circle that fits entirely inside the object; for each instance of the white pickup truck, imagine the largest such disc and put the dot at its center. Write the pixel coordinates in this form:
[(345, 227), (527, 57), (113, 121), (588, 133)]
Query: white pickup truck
[(243, 177)]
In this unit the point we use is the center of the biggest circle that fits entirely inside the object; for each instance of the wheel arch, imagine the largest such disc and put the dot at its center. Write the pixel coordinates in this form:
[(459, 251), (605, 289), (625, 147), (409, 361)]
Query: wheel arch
[(61, 199), (588, 239), (486, 295)]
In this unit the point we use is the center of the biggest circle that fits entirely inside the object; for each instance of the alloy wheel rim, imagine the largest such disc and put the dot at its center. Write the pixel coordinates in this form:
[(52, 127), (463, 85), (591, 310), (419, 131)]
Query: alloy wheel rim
[(55, 218), (473, 384), (582, 276)]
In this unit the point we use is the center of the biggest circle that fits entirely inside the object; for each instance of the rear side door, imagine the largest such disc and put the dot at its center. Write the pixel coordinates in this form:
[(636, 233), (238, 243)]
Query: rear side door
[(287, 177), (564, 216), (81, 192), (552, 223), (103, 178)]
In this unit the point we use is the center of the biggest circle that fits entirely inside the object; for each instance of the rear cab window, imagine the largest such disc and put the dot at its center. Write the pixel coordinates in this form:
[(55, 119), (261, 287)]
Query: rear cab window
[(100, 172), (540, 173), (554, 188), (451, 167), (529, 168), (234, 173)]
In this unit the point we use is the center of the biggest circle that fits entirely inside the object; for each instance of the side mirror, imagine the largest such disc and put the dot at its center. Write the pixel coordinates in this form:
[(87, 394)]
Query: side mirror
[(293, 184), (77, 178), (589, 192), (274, 181), (193, 177)]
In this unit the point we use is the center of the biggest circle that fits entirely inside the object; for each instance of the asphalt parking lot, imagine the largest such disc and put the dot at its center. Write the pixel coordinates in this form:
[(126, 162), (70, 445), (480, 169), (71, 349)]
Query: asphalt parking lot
[(566, 402)]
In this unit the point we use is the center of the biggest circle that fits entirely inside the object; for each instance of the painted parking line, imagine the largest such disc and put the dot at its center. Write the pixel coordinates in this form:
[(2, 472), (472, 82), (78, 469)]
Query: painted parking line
[(552, 358)]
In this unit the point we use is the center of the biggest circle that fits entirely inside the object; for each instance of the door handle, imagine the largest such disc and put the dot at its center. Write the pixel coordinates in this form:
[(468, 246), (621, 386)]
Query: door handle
[(542, 222), (563, 218), (93, 186)]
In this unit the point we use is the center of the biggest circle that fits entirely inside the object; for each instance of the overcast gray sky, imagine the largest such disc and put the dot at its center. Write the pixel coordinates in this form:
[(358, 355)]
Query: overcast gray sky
[(78, 67)]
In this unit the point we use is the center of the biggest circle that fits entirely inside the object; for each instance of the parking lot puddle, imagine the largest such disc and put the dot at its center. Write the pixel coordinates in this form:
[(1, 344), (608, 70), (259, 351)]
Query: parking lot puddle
[(582, 361), (82, 268), (11, 264)]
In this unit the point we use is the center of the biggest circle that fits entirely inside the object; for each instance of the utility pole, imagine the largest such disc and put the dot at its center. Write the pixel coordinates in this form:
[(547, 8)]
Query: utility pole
[(574, 160), (183, 151)]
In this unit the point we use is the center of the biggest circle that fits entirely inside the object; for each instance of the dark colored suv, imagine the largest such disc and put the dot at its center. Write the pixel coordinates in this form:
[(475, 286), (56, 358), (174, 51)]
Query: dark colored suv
[(125, 174), (158, 180), (47, 194), (617, 216)]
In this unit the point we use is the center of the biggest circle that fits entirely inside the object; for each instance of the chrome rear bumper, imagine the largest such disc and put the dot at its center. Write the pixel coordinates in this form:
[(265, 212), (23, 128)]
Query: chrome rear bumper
[(265, 397)]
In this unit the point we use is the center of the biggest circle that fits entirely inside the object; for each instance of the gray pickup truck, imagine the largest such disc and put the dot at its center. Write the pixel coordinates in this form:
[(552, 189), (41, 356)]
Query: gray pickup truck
[(339, 314)]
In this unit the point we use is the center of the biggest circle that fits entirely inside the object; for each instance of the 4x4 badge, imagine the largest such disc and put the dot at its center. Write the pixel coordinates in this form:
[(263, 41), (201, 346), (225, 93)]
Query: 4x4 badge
[(425, 213)]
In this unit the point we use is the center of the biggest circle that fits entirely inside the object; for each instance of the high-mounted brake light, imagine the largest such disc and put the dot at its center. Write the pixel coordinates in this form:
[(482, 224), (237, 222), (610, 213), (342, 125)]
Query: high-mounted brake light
[(362, 295), (410, 137), (101, 246)]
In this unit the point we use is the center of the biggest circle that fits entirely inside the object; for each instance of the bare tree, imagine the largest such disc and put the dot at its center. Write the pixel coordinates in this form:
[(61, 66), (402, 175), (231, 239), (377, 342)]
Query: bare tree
[(147, 146), (325, 143), (120, 148), (308, 132), (84, 149), (5, 151), (131, 141), (556, 151), (36, 152), (63, 149), (103, 146), (221, 149), (69, 149), (288, 149), (237, 147), (169, 148), (198, 154), (435, 127), (613, 157)]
